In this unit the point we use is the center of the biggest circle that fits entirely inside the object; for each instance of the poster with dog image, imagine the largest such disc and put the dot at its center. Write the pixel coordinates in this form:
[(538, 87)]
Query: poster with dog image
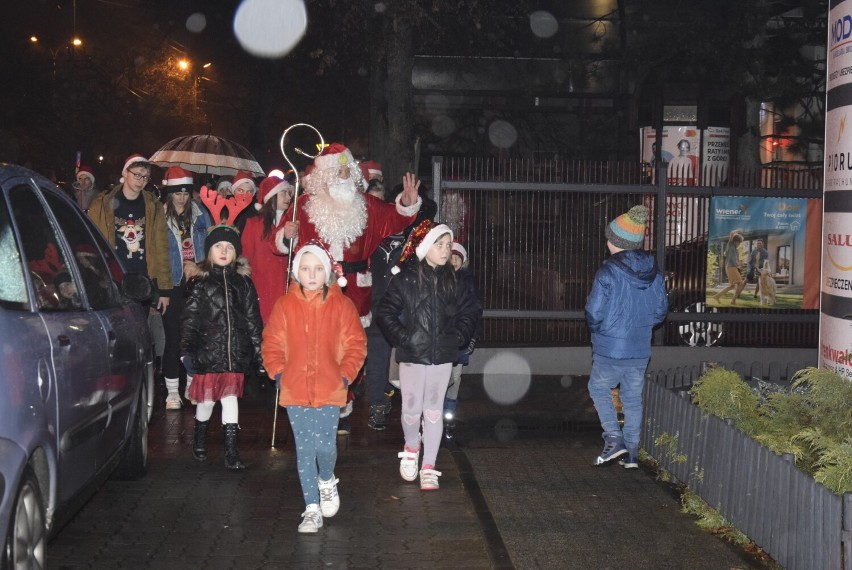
[(756, 252)]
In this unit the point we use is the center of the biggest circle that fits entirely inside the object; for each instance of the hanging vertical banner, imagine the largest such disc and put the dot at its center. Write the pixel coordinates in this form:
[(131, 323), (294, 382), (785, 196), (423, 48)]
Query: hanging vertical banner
[(835, 331), (756, 252), (715, 155)]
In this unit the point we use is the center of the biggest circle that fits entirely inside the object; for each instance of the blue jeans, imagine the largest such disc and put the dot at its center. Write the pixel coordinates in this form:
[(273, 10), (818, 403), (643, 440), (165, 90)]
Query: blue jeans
[(606, 376)]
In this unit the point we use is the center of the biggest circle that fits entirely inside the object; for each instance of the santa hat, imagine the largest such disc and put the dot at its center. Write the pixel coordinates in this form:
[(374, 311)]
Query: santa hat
[(134, 159), (459, 250), (371, 169), (241, 178), (87, 172), (627, 231), (317, 248), (420, 240), (269, 187), (177, 179), (333, 156)]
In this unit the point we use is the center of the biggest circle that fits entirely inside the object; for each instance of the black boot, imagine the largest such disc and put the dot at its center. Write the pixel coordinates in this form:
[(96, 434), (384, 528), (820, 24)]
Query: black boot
[(199, 441), (232, 456)]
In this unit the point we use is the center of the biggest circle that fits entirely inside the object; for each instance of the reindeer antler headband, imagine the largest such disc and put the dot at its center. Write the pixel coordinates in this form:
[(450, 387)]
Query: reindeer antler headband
[(233, 205)]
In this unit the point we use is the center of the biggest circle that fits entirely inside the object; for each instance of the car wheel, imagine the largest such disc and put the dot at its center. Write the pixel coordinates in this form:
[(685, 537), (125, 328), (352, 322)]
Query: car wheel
[(26, 545), (700, 333), (134, 462)]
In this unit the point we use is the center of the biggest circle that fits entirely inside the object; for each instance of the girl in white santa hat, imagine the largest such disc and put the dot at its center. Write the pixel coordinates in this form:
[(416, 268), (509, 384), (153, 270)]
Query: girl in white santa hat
[(313, 346), (426, 315)]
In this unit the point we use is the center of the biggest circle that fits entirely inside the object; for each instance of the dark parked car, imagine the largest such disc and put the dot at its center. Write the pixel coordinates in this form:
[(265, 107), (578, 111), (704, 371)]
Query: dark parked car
[(76, 372)]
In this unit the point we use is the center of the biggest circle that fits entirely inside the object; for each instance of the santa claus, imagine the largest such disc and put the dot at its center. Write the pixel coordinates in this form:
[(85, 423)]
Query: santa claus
[(351, 224)]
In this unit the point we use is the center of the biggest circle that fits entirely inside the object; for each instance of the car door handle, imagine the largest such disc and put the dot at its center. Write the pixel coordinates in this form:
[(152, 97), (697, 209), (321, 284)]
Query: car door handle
[(64, 340)]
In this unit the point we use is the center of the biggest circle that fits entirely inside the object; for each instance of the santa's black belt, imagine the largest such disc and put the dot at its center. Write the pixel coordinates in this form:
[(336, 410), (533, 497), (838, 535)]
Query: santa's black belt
[(355, 266)]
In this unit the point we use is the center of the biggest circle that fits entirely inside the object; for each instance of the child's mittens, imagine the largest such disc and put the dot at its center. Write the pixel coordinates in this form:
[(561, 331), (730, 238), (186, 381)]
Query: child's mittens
[(186, 360)]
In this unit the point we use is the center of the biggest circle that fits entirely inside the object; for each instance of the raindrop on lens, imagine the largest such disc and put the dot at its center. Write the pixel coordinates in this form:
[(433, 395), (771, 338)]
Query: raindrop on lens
[(196, 22), (543, 24), (443, 126), (270, 28), (502, 134), (505, 430)]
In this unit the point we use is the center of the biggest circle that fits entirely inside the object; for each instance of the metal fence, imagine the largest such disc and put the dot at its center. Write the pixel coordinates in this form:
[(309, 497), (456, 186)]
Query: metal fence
[(800, 523), (534, 234)]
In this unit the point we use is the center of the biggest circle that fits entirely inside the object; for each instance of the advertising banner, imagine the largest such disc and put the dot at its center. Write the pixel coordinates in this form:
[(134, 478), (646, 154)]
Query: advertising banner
[(715, 155), (835, 331), (690, 156), (756, 252)]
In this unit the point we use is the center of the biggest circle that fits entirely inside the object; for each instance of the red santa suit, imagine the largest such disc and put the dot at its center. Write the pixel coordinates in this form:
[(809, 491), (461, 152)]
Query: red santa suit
[(349, 223)]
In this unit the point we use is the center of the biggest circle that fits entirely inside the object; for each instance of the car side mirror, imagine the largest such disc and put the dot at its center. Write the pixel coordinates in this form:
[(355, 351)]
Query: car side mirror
[(137, 287)]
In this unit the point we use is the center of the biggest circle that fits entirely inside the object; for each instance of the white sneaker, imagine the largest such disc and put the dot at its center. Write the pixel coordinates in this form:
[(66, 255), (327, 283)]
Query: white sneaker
[(329, 499), (173, 401), (429, 479), (346, 410), (311, 519), (408, 464)]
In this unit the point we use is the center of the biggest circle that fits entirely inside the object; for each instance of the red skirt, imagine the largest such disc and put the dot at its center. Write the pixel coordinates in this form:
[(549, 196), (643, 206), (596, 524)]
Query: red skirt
[(214, 386)]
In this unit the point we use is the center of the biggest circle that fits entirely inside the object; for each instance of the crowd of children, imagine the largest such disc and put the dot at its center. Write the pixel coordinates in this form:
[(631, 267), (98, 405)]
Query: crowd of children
[(302, 331)]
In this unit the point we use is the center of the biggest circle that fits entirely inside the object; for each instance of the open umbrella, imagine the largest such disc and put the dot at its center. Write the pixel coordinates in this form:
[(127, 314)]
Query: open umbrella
[(206, 154)]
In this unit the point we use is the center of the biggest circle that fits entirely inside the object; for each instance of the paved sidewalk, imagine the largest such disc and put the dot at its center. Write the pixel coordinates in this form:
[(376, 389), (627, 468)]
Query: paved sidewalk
[(518, 491)]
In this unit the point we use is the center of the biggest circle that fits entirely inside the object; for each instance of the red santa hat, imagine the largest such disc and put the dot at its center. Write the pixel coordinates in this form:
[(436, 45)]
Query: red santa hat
[(458, 249), (176, 179), (371, 169), (269, 187), (243, 178), (333, 156), (87, 172), (317, 248), (134, 159), (420, 240)]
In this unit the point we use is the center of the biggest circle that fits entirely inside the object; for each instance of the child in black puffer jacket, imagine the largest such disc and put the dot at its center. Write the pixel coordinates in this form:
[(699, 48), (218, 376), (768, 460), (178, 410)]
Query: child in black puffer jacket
[(425, 316), (221, 333)]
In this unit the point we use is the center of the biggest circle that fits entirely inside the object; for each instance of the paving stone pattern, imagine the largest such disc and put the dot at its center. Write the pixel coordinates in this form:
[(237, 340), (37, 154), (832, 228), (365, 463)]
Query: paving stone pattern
[(518, 491)]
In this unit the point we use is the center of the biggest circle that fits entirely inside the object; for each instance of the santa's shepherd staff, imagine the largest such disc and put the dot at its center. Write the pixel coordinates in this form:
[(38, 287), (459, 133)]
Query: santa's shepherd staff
[(320, 148)]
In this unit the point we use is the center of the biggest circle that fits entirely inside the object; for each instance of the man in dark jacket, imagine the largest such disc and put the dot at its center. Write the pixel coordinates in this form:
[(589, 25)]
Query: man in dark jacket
[(627, 301)]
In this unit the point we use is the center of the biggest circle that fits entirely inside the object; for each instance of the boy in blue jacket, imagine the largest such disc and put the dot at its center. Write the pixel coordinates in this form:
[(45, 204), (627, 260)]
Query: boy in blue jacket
[(628, 299)]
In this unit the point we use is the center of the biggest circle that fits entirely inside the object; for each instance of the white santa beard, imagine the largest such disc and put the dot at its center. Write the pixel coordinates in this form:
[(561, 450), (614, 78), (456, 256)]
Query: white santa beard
[(338, 223)]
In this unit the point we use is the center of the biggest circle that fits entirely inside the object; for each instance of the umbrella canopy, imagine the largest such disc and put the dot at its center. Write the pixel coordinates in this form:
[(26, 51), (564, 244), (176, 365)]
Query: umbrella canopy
[(206, 154)]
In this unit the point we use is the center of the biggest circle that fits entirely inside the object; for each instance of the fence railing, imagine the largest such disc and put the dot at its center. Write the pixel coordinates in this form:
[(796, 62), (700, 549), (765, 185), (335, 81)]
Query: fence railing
[(534, 233), (799, 522)]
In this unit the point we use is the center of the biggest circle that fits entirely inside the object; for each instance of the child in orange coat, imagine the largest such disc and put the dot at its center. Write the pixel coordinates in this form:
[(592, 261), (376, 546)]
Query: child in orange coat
[(314, 346)]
